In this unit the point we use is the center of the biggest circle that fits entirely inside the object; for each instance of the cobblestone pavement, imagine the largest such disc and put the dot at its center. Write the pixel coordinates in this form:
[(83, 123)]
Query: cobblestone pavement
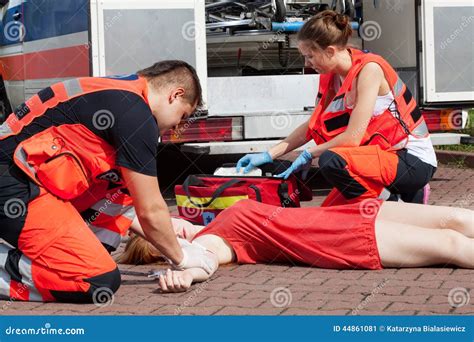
[(285, 290)]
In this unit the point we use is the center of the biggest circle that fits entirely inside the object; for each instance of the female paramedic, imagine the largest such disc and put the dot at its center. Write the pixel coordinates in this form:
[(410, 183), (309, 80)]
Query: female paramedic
[(371, 235), (372, 140)]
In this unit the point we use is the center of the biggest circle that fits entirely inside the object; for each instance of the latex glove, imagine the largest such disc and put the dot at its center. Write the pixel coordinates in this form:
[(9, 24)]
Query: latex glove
[(302, 163), (196, 256), (249, 161)]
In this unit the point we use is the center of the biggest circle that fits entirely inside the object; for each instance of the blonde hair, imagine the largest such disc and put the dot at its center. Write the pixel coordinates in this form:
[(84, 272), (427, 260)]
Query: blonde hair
[(138, 251), (326, 28)]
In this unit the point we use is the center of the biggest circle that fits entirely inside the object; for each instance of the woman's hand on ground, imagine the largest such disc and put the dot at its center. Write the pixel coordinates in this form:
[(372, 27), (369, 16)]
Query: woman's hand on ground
[(175, 281)]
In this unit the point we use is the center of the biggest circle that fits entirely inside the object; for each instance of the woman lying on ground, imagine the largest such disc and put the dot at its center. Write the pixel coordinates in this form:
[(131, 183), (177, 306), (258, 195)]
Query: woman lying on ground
[(367, 235)]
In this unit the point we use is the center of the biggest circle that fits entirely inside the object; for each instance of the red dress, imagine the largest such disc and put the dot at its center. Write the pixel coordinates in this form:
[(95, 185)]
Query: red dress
[(340, 237)]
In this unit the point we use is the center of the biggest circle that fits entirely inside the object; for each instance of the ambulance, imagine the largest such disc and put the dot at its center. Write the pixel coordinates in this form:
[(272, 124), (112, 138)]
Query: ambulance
[(255, 86)]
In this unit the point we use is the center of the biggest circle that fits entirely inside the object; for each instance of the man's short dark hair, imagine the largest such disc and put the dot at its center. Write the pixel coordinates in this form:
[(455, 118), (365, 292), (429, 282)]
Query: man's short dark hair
[(178, 73)]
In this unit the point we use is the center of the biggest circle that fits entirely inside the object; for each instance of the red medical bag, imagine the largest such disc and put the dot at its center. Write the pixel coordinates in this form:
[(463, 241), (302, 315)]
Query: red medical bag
[(201, 197)]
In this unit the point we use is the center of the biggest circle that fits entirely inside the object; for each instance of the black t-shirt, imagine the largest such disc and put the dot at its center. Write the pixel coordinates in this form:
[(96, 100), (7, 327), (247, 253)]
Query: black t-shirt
[(121, 118)]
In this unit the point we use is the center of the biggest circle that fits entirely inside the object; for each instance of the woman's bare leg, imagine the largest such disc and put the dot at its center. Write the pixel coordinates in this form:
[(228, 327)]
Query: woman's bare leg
[(404, 245), (429, 216)]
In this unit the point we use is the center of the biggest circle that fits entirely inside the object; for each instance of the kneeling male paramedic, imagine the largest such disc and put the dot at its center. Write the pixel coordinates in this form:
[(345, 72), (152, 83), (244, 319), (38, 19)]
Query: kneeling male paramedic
[(77, 164)]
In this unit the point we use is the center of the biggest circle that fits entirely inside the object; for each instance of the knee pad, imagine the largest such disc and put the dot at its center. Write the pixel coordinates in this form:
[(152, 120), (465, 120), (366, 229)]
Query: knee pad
[(101, 290), (110, 280)]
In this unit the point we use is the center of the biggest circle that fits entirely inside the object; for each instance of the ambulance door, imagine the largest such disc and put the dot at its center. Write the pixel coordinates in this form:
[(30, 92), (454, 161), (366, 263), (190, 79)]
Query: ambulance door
[(130, 35), (12, 34), (447, 54)]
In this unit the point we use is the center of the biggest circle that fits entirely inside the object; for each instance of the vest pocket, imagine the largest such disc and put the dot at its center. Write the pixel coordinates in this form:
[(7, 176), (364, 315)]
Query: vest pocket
[(334, 123), (46, 158), (63, 175)]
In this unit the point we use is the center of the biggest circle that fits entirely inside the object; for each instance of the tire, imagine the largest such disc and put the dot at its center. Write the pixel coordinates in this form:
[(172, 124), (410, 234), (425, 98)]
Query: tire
[(280, 11)]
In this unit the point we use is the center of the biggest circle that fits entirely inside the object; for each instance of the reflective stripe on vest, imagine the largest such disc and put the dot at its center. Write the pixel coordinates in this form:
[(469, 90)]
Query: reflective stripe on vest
[(420, 130), (400, 145), (113, 209), (106, 236), (73, 87), (5, 130), (20, 159), (336, 105), (114, 213), (397, 88)]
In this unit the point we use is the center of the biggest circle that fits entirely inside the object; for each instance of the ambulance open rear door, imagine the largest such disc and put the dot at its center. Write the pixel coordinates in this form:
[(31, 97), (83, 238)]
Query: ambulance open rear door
[(129, 35)]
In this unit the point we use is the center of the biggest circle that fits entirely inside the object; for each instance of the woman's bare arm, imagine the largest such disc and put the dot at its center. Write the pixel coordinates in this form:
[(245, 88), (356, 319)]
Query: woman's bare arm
[(368, 84), (137, 228), (180, 281), (296, 139)]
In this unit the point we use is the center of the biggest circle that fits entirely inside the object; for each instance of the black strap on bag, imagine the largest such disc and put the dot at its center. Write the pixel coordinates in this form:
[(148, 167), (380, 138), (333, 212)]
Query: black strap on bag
[(193, 181), (285, 199), (258, 195)]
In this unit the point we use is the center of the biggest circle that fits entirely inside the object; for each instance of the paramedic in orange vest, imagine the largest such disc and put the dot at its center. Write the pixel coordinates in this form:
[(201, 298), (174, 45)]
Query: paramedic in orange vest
[(77, 167), (372, 141)]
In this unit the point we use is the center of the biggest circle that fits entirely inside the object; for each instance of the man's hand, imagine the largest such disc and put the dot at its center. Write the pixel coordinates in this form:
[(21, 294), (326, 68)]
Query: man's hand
[(196, 256)]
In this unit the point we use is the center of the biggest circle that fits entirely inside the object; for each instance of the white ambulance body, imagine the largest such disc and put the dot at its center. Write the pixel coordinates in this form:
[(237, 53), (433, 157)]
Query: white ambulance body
[(44, 42)]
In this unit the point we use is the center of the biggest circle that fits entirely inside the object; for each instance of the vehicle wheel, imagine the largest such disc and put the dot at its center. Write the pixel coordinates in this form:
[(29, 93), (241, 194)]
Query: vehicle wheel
[(280, 11)]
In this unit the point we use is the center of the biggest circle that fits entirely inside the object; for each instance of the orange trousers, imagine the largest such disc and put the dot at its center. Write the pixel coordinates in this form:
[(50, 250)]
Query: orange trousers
[(363, 172), (60, 255)]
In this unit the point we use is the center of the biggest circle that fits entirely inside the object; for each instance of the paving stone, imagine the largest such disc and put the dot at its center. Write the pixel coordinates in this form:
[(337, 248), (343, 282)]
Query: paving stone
[(247, 289)]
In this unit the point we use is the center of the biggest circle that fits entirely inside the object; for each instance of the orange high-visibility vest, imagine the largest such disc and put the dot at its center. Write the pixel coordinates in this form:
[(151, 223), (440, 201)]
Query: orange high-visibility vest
[(69, 158), (389, 130)]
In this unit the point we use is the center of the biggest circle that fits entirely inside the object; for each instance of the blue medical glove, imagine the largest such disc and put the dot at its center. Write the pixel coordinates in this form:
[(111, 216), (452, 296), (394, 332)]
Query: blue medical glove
[(302, 163), (249, 161)]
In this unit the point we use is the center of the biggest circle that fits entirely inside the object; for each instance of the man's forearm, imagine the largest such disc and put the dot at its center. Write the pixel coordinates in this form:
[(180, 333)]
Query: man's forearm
[(159, 232)]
